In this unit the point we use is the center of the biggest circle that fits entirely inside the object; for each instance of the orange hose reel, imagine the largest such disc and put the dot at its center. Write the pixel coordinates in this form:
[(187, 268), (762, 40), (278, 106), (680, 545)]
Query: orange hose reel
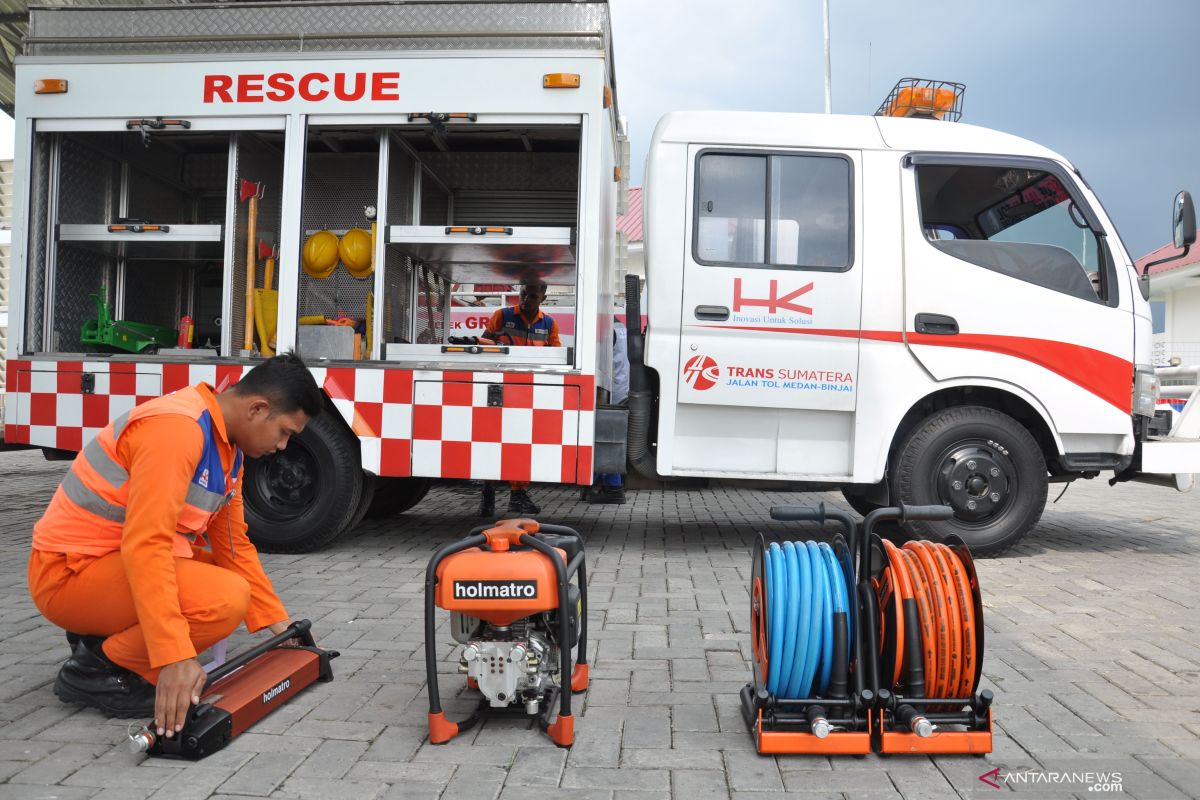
[(931, 649)]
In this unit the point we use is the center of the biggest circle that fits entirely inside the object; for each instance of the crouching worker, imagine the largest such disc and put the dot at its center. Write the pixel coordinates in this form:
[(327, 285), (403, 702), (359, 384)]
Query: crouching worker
[(142, 555)]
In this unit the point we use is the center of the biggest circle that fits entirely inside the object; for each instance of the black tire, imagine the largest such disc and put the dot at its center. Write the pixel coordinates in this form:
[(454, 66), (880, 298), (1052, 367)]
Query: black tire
[(302, 499), (859, 503), (366, 496), (396, 495), (983, 464)]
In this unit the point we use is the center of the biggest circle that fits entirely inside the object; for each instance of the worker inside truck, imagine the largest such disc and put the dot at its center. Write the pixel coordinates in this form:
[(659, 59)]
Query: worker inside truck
[(522, 325), (142, 555), (525, 324)]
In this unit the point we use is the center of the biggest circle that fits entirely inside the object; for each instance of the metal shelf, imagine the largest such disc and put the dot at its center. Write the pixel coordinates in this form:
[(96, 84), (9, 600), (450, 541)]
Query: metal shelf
[(177, 243), (545, 253)]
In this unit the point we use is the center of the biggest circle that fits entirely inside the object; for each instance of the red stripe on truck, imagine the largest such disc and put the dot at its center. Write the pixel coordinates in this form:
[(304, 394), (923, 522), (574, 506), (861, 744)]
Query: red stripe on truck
[(1107, 376)]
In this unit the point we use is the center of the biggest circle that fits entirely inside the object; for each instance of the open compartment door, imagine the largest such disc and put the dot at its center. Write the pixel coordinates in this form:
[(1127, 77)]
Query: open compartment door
[(485, 255), (136, 232)]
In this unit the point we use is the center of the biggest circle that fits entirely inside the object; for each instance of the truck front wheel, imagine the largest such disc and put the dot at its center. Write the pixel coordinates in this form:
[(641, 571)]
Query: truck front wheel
[(983, 464), (303, 498)]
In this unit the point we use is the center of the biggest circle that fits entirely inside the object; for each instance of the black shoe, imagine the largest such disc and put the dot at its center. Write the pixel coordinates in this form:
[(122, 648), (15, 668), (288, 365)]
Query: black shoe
[(612, 495), (93, 642), (487, 501), (90, 679), (519, 502)]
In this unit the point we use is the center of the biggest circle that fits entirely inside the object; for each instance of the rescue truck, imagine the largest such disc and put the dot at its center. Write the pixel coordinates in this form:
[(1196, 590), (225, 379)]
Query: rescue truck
[(910, 309)]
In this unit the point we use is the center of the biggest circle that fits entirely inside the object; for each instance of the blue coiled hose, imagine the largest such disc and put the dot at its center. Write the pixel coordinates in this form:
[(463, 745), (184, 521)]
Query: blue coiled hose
[(808, 602)]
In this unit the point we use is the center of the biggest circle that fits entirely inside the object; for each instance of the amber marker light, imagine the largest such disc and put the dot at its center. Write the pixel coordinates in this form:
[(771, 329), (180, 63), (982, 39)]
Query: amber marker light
[(560, 80), (50, 86)]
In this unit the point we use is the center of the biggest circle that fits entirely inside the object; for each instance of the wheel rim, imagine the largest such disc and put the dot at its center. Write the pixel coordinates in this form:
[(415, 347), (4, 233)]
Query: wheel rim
[(285, 483), (977, 480)]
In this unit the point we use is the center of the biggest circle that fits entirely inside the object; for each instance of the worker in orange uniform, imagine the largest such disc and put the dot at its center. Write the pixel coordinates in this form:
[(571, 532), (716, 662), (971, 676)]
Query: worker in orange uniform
[(523, 325), (119, 557)]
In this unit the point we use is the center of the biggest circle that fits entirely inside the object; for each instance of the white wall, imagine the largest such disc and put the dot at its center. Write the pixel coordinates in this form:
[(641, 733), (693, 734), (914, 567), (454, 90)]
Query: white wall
[(1182, 336)]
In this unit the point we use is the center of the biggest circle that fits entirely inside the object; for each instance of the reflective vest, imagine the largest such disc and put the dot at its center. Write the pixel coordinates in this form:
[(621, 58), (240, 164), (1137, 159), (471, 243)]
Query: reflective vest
[(87, 514), (513, 330)]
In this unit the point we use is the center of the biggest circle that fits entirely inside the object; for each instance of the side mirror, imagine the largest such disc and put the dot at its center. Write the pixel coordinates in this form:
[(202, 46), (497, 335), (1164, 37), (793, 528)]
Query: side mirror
[(1184, 223), (1184, 227)]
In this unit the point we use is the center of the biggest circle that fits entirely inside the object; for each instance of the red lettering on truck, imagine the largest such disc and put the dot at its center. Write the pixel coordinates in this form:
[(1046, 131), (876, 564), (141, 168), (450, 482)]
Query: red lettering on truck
[(281, 87), (250, 88), (342, 93), (751, 372), (215, 85), (385, 86), (306, 90)]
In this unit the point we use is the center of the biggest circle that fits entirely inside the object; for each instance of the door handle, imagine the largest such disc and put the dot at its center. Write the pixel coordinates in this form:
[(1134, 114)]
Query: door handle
[(937, 324), (719, 313)]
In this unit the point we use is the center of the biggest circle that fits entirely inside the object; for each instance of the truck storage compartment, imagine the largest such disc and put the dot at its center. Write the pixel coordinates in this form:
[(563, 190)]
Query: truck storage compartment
[(473, 211), (341, 193), (130, 233)]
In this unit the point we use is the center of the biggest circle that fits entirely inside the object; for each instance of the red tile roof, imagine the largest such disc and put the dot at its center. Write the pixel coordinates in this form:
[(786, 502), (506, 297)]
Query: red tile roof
[(1190, 260), (631, 222)]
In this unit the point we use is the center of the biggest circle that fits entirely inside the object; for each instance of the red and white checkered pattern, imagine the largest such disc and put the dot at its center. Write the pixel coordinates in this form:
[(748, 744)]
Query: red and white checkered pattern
[(425, 423)]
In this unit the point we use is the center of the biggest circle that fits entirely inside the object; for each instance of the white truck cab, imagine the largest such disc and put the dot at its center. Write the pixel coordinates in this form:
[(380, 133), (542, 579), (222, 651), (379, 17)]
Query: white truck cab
[(913, 309)]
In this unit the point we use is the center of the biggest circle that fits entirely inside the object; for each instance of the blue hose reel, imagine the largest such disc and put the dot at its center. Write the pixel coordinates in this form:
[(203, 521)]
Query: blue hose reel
[(809, 592)]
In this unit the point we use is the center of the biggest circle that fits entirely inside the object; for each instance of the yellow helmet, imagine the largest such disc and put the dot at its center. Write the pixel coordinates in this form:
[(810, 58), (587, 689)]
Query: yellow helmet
[(355, 252), (321, 254)]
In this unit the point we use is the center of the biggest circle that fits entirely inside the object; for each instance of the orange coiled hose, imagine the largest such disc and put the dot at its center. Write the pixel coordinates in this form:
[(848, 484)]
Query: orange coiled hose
[(932, 577)]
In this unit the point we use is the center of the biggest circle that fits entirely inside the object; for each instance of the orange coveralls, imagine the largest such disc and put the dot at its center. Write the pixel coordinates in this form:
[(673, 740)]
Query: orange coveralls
[(154, 605)]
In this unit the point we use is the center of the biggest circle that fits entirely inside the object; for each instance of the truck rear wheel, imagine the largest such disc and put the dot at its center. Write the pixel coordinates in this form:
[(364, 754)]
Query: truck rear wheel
[(366, 496), (396, 495), (303, 498), (983, 464)]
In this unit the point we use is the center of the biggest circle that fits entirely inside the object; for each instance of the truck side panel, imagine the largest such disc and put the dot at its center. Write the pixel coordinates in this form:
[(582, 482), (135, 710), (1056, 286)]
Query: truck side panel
[(407, 422)]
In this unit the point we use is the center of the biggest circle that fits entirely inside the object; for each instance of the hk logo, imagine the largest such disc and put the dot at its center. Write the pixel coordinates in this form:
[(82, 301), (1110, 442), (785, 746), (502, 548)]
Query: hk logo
[(701, 372), (772, 302), (204, 479)]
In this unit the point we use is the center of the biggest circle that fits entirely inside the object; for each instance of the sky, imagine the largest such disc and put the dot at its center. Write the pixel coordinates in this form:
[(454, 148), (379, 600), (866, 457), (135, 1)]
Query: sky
[(1106, 83)]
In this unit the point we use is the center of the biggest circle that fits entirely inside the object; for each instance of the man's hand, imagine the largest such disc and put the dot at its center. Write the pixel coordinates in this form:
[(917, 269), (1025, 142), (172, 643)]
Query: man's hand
[(279, 627), (179, 685)]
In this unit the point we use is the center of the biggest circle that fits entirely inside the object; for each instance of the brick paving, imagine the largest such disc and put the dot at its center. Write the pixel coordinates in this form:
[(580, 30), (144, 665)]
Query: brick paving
[(1093, 651)]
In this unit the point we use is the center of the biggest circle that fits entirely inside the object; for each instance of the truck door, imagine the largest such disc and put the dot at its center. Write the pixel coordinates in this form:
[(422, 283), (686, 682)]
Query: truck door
[(771, 295), (1008, 277)]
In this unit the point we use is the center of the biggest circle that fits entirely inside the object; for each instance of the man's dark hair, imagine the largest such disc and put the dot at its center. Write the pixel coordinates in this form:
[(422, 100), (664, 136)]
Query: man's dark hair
[(286, 383)]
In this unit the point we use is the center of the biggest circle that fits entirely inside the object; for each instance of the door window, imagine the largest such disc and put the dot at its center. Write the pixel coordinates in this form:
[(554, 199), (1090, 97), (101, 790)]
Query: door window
[(1020, 222), (773, 211)]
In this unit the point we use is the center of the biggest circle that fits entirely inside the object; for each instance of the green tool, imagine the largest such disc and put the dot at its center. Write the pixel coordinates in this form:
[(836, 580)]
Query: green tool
[(133, 337)]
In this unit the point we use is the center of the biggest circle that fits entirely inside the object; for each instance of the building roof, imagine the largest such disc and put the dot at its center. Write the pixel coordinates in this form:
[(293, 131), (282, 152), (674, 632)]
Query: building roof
[(630, 223), (1190, 260)]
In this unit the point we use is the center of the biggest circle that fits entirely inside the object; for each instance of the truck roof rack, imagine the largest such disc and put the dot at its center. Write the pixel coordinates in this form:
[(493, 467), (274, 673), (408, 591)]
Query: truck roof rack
[(922, 98), (322, 26)]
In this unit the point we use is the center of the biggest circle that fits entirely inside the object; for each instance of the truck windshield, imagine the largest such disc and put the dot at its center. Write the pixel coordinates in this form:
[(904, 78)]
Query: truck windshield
[(1017, 221)]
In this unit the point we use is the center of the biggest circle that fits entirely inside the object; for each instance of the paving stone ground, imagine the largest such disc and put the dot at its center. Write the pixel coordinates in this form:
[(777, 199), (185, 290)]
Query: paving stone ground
[(1093, 651)]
